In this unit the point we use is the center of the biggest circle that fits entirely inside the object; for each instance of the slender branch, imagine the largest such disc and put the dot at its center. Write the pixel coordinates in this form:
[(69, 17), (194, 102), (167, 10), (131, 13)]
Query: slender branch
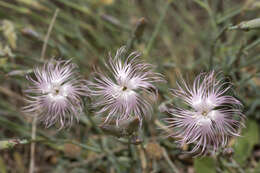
[(44, 47), (98, 157), (10, 143), (240, 170), (137, 33), (168, 160), (10, 93), (32, 155), (34, 128), (213, 46), (247, 25), (157, 29)]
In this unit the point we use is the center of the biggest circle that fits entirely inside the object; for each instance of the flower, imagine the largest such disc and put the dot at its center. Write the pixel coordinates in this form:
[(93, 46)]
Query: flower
[(127, 90), (55, 93), (213, 116)]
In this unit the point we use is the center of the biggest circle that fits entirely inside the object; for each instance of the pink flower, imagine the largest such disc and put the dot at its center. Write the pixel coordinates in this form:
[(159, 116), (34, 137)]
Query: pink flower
[(54, 94), (126, 89), (213, 116)]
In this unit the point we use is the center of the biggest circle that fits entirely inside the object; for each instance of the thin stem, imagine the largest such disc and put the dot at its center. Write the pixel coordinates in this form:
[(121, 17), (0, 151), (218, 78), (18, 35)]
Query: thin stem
[(10, 93), (219, 161), (34, 128), (137, 33), (32, 155), (98, 157), (213, 46), (111, 157), (89, 115), (86, 147), (157, 29), (168, 160), (48, 33), (240, 170), (10, 143), (94, 125)]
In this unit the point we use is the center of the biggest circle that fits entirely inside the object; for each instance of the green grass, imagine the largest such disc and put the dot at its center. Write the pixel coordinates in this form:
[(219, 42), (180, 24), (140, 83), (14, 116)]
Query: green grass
[(185, 37)]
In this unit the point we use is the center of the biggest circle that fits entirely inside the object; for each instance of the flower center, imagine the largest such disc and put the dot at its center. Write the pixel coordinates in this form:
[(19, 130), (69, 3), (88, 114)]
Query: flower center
[(124, 88), (204, 113), (56, 90)]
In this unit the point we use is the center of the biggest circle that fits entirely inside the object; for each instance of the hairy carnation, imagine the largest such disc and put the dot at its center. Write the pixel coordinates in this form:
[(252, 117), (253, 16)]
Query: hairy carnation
[(54, 93), (212, 117), (127, 90)]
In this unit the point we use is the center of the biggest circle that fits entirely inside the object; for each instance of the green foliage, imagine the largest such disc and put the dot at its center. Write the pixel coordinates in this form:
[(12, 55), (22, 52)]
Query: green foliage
[(185, 37), (205, 165), (2, 166), (248, 25), (254, 170), (244, 145)]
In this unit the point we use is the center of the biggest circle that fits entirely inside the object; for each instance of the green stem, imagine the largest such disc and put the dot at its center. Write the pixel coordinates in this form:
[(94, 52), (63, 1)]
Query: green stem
[(11, 143), (213, 46), (137, 33), (157, 29)]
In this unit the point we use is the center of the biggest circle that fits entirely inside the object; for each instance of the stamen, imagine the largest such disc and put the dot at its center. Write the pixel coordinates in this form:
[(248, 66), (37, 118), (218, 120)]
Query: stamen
[(204, 113), (56, 91), (124, 88)]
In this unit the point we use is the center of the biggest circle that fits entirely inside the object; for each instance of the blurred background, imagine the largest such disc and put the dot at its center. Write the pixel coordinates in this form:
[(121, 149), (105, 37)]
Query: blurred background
[(188, 37)]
